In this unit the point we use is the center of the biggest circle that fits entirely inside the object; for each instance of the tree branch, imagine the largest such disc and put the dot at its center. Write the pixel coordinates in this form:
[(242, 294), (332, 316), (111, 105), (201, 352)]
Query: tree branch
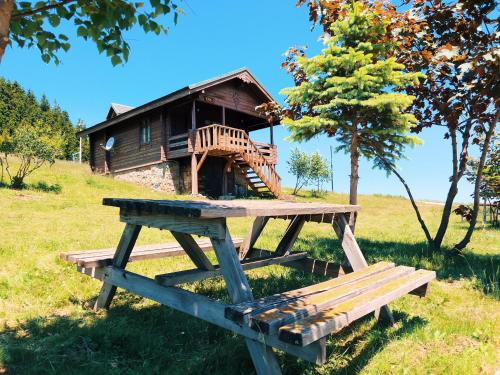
[(412, 200), (41, 9)]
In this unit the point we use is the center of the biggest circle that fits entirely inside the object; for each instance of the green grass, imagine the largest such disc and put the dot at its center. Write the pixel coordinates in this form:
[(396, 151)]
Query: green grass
[(47, 328)]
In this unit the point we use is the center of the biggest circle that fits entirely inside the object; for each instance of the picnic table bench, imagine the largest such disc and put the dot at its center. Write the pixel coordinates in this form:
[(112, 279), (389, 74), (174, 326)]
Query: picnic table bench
[(295, 321)]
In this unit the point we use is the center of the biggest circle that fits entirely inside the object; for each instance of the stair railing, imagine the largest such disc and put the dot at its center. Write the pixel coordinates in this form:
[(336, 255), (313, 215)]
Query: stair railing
[(225, 138)]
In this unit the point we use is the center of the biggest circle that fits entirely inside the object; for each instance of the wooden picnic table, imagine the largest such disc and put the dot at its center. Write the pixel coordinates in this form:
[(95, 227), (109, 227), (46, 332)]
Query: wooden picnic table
[(296, 321)]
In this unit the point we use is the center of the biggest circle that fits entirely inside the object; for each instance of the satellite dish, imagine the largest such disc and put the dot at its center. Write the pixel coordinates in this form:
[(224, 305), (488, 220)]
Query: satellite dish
[(109, 144)]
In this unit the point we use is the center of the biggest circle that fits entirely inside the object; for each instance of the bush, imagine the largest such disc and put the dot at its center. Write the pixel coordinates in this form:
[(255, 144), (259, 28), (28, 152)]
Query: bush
[(34, 145)]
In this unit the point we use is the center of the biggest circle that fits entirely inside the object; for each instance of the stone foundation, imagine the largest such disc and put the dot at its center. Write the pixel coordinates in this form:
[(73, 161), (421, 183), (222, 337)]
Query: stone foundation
[(158, 177)]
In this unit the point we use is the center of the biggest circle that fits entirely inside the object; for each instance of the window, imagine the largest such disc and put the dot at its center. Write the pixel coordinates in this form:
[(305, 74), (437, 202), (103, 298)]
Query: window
[(145, 132)]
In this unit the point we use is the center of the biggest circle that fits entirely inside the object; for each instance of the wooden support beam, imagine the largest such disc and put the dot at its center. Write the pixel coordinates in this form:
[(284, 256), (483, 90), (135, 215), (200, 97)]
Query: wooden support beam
[(194, 251), (183, 224), (163, 137), (187, 276), (253, 235), (120, 259), (202, 160), (263, 358), (194, 163), (291, 235)]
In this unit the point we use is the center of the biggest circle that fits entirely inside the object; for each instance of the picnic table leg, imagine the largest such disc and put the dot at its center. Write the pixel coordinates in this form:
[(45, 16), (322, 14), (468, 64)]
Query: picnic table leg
[(356, 258), (291, 234), (252, 237), (263, 358), (120, 259)]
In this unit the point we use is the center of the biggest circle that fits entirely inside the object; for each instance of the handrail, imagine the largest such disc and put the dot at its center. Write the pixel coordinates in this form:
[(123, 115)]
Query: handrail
[(226, 138)]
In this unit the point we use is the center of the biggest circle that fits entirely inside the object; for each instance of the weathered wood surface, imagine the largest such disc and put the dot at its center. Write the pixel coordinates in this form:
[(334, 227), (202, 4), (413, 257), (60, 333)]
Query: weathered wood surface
[(204, 308), (331, 320), (271, 320), (120, 259), (252, 237), (192, 249), (187, 276), (103, 257), (263, 358), (290, 236), (342, 227), (238, 312), (234, 208), (307, 264), (212, 227)]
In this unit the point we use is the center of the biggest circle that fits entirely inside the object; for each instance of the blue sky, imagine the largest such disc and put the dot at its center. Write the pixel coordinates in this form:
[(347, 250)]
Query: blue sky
[(211, 38)]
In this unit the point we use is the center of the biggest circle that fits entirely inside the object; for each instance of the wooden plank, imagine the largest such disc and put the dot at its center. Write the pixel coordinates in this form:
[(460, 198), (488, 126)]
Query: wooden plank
[(252, 237), (313, 328), (271, 320), (307, 264), (355, 257), (264, 360), (177, 223), (291, 235), (317, 266), (203, 308), (74, 256), (239, 311), (232, 208), (123, 251), (193, 250), (187, 276), (147, 252)]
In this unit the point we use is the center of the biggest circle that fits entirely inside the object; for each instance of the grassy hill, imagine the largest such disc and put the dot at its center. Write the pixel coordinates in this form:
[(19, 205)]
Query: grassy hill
[(46, 326)]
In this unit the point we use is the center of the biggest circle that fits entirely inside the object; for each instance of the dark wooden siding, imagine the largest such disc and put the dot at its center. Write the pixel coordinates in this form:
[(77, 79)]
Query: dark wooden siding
[(234, 94), (97, 152), (128, 152)]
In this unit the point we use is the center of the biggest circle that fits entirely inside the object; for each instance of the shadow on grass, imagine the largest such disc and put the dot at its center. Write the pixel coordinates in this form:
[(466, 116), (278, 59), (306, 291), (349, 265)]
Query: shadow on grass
[(137, 338), (482, 270), (39, 186)]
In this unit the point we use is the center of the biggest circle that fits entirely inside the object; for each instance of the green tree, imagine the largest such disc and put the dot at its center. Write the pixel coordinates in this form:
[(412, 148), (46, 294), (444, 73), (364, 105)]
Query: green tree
[(299, 166), (350, 92), (319, 171), (36, 24), (34, 144)]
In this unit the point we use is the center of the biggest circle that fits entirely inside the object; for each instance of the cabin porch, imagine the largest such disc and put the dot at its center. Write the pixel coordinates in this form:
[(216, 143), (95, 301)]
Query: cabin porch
[(223, 158)]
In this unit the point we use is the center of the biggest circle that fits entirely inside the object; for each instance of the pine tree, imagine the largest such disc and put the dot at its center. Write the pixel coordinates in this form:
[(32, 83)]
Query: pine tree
[(351, 91)]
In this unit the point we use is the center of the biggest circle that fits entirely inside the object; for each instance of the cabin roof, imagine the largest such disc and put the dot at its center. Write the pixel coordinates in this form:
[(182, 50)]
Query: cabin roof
[(118, 109), (243, 73)]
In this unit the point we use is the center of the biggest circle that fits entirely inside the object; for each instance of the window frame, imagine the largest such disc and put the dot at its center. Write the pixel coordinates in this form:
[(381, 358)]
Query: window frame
[(145, 132)]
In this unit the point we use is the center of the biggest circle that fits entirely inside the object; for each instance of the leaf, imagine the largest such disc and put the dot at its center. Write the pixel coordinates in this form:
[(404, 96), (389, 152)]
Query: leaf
[(54, 20), (115, 60), (81, 31)]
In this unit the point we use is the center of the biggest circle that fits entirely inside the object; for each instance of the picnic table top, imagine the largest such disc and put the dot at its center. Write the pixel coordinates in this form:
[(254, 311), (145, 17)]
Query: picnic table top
[(231, 208)]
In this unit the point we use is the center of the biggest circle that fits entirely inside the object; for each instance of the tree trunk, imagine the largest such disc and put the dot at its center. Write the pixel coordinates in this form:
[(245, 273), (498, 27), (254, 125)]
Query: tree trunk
[(6, 7), (450, 197), (412, 200), (459, 167), (353, 191), (477, 186)]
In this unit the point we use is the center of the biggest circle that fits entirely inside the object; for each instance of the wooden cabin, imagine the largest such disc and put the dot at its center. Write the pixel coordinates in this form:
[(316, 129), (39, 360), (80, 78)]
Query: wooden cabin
[(194, 140)]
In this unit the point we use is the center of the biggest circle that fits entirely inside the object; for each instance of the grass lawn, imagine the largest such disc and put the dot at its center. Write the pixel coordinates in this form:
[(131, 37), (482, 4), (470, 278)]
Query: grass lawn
[(46, 326)]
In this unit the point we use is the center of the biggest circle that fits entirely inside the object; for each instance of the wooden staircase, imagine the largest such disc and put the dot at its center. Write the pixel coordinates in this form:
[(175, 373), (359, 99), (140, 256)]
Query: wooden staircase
[(249, 159)]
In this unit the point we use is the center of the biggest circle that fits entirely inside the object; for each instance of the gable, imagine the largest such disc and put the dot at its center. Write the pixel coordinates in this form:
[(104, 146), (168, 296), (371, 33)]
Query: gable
[(236, 94)]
